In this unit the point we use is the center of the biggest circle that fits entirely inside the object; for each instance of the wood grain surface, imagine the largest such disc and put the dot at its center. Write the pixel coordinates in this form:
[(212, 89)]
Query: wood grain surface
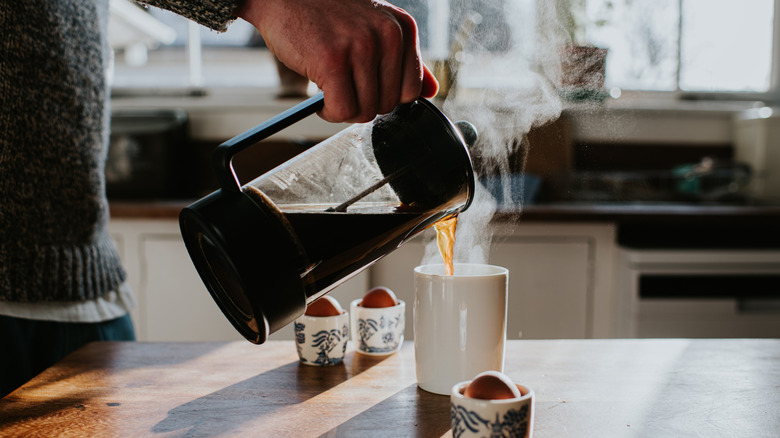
[(584, 388)]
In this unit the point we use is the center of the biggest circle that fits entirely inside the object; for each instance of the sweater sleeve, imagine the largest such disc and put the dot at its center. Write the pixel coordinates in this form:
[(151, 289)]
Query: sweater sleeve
[(214, 14)]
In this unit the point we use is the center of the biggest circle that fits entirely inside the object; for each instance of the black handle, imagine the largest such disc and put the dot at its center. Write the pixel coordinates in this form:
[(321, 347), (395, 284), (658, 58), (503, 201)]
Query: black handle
[(223, 155)]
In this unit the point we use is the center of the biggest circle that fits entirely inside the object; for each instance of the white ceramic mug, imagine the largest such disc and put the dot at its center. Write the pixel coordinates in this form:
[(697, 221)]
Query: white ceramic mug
[(480, 418), (459, 323)]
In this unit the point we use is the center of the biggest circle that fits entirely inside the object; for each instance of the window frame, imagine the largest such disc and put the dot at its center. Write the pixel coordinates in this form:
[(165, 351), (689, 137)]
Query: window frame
[(196, 84), (772, 94)]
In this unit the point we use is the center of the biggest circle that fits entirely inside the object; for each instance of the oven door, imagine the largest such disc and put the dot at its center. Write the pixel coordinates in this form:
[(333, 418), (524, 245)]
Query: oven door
[(698, 294)]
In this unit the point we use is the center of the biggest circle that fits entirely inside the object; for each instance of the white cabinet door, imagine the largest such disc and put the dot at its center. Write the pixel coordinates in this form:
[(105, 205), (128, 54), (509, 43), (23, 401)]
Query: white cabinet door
[(173, 303), (177, 305), (548, 286), (560, 279), (350, 290), (560, 282), (396, 271)]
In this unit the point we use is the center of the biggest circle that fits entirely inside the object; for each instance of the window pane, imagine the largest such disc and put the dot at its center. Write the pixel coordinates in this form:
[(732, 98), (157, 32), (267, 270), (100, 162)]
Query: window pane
[(726, 45), (641, 36), (502, 51), (236, 57), (708, 45)]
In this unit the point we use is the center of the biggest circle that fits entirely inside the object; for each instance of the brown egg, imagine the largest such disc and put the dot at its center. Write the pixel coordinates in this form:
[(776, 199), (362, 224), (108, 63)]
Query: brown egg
[(379, 297), (492, 385), (324, 306)]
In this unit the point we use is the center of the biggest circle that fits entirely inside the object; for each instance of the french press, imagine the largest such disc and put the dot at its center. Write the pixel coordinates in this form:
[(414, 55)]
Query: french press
[(268, 248)]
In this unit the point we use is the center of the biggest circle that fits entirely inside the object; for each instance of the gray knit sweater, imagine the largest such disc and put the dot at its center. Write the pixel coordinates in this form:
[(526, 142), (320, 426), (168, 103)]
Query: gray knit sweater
[(54, 112)]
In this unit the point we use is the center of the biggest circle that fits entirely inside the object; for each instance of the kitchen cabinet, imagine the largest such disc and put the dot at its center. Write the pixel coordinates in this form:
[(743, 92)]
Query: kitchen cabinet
[(560, 281), (173, 304), (560, 278)]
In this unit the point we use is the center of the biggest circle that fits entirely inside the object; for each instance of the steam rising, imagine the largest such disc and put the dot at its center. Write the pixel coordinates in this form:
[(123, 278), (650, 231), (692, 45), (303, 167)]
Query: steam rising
[(507, 85)]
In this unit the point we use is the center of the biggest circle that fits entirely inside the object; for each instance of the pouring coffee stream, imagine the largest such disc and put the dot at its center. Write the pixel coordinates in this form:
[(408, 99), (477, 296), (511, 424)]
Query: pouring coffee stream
[(445, 240), (269, 247)]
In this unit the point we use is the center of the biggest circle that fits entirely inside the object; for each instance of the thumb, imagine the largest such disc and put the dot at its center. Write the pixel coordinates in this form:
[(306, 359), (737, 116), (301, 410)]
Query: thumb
[(430, 86)]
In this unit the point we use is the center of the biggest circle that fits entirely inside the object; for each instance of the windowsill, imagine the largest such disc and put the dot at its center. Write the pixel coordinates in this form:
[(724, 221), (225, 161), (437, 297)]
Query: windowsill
[(666, 103), (221, 113), (199, 99), (265, 97)]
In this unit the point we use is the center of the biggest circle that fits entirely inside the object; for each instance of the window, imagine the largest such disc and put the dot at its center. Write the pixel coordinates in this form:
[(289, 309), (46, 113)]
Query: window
[(194, 58), (710, 48), (686, 45)]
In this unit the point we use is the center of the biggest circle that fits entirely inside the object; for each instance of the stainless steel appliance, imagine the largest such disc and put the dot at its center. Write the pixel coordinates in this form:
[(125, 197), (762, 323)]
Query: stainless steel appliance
[(704, 293), (148, 156)]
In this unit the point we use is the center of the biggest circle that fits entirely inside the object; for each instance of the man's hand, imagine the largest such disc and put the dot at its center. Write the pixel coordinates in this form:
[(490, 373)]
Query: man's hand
[(363, 54)]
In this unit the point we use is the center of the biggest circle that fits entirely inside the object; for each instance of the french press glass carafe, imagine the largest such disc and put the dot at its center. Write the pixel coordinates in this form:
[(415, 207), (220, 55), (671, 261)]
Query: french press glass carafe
[(268, 248)]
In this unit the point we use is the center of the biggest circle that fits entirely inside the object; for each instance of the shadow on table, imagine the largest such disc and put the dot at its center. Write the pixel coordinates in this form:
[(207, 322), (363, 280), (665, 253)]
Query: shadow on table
[(63, 384), (411, 412), (260, 396)]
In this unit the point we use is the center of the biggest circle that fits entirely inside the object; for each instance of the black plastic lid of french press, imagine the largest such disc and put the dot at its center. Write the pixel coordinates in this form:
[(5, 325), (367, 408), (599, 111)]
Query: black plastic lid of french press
[(418, 132), (244, 250), (248, 259)]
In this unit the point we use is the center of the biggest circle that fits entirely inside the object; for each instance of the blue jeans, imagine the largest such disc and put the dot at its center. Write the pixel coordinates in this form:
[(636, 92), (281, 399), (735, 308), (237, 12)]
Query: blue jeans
[(28, 346)]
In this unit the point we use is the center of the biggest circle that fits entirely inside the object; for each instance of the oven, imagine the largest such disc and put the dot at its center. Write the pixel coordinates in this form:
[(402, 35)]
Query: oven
[(685, 293)]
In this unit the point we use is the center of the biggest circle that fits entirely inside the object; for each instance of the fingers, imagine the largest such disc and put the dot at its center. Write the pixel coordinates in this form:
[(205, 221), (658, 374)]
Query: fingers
[(390, 69), (385, 70), (340, 99), (412, 76), (350, 81), (363, 54)]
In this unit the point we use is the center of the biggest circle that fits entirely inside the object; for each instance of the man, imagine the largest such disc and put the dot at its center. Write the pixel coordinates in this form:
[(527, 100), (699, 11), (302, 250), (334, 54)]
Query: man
[(61, 281)]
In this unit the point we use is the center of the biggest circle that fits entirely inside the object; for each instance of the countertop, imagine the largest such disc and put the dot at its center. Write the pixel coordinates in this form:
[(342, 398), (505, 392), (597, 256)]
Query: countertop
[(534, 212), (641, 225), (584, 388)]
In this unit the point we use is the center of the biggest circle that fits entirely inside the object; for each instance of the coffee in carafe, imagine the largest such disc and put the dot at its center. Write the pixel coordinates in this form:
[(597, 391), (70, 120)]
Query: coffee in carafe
[(267, 248)]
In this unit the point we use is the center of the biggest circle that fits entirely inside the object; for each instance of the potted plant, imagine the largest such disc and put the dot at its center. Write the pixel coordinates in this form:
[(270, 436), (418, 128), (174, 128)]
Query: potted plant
[(583, 65)]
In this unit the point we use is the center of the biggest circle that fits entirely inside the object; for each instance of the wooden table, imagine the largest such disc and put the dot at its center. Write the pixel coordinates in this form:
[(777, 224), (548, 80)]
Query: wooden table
[(584, 388)]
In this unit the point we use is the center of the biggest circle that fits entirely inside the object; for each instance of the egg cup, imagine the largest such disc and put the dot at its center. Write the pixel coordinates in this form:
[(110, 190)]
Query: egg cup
[(473, 417), (322, 340), (377, 331)]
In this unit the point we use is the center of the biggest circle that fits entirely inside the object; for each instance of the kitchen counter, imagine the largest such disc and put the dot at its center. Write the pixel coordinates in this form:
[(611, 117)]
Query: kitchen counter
[(640, 225), (584, 388), (569, 212)]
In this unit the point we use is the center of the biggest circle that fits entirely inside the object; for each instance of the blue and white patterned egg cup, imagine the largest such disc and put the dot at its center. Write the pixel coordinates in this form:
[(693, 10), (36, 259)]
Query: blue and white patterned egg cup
[(487, 418), (322, 340), (377, 331)]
